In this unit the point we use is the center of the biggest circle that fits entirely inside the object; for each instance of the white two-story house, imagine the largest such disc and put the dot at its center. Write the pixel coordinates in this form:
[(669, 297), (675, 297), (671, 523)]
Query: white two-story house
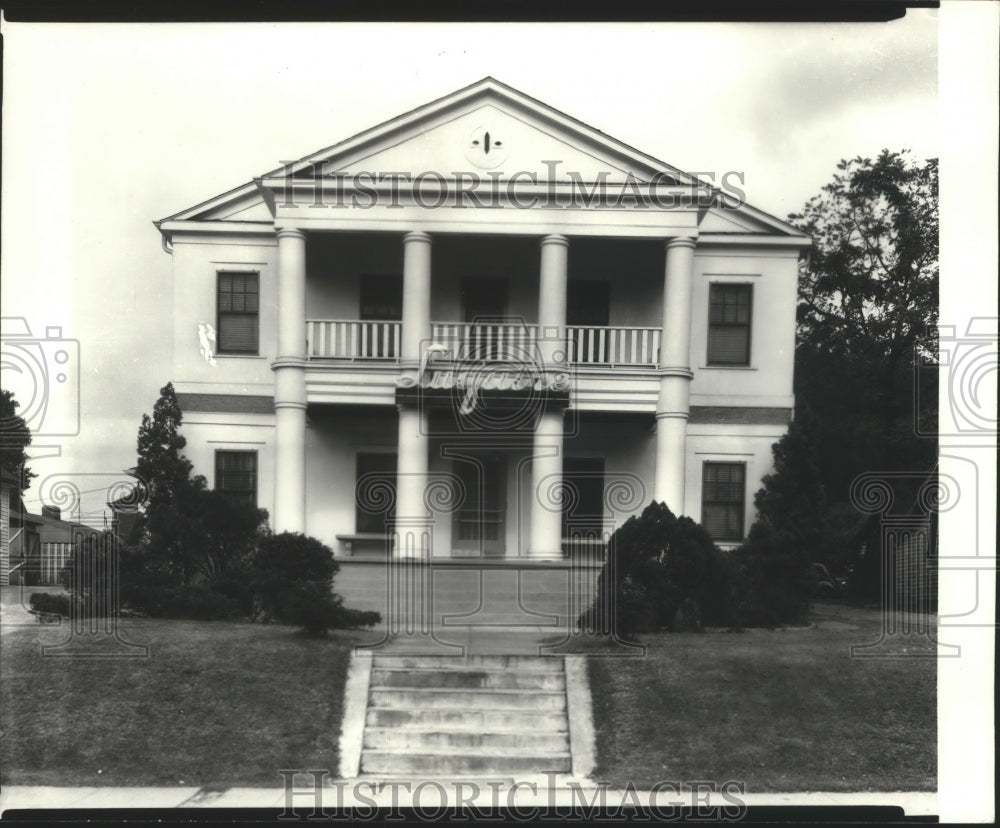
[(485, 331)]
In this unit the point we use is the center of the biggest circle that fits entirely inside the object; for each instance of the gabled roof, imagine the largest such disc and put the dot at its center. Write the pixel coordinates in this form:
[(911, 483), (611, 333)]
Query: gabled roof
[(381, 143)]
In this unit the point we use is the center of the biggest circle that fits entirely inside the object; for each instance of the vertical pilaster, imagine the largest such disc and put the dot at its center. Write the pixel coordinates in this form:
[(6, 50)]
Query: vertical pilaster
[(290, 385), (675, 374)]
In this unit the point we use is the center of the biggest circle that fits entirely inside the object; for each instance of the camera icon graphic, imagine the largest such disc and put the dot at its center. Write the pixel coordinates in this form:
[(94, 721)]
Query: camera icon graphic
[(44, 375), (967, 368)]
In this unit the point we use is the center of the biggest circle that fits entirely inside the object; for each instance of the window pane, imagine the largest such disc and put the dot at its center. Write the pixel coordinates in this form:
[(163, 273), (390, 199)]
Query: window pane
[(723, 490), (238, 318), (729, 345), (729, 318), (238, 333), (375, 492), (382, 297), (236, 475)]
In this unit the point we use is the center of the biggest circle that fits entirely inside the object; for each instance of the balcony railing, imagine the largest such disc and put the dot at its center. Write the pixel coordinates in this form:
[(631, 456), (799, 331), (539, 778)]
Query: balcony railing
[(613, 346), (349, 339), (494, 341), (352, 339)]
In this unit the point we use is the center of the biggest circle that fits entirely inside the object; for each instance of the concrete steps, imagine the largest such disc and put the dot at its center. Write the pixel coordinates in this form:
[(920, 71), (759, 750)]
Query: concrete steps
[(473, 715)]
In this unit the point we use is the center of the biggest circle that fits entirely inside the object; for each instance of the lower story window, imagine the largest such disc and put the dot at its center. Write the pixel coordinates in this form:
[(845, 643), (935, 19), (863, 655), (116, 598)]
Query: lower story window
[(722, 501), (375, 492), (236, 475), (583, 501)]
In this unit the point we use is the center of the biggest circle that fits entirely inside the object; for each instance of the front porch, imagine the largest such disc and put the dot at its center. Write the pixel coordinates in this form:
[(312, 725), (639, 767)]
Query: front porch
[(478, 495), (447, 603)]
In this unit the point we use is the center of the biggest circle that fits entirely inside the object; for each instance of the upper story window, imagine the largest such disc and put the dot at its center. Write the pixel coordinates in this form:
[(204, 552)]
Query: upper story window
[(382, 297), (238, 313), (723, 490), (236, 475), (730, 310)]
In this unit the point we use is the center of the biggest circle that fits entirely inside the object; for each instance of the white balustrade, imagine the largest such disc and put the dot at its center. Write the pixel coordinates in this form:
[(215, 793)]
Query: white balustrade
[(352, 339), (495, 341)]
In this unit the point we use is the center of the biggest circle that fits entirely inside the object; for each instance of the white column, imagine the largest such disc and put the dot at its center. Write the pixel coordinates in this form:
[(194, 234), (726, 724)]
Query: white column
[(675, 375), (416, 295), (552, 300), (412, 515), (545, 535), (412, 524), (290, 385)]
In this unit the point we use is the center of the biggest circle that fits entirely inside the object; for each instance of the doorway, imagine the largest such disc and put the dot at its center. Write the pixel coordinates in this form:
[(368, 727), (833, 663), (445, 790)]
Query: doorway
[(479, 525)]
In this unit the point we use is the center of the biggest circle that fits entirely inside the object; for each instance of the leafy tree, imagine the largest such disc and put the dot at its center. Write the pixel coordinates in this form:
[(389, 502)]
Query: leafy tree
[(15, 437), (162, 470), (186, 533), (792, 499), (867, 299)]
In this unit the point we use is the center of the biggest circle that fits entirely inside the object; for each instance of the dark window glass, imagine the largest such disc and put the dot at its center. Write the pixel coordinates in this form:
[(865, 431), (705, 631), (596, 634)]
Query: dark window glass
[(375, 492), (583, 502), (723, 487), (729, 318), (238, 313), (382, 297), (236, 475)]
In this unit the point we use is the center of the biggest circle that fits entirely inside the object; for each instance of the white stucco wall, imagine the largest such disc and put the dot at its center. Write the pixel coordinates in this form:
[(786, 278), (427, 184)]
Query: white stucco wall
[(195, 265)]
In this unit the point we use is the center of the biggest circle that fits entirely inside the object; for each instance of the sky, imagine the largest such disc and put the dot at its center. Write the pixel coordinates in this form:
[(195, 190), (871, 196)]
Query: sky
[(110, 127)]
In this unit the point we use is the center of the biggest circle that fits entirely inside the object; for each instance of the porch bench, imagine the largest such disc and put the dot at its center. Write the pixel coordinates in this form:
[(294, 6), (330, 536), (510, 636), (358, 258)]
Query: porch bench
[(361, 538)]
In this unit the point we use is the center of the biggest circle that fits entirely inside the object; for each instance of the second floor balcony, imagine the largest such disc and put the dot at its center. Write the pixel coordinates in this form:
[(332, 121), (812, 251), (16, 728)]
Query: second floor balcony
[(367, 341)]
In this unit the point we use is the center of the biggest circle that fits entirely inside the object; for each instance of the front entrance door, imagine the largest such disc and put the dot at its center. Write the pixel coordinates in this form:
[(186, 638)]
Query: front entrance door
[(480, 523)]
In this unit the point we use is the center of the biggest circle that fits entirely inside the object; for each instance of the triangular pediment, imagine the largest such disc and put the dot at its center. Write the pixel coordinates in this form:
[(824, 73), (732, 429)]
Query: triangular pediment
[(490, 131)]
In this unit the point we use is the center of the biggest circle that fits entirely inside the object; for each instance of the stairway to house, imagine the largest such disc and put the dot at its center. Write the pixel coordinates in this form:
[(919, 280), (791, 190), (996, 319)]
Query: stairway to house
[(473, 715)]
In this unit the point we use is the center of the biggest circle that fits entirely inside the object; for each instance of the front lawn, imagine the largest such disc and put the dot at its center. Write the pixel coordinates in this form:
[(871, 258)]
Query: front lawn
[(781, 711), (214, 704)]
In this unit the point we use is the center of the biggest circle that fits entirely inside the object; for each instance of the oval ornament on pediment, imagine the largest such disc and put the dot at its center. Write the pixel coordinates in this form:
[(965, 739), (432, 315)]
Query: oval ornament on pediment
[(486, 147)]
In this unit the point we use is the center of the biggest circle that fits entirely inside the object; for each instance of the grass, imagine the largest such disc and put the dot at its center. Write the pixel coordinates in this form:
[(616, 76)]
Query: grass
[(213, 704), (780, 711)]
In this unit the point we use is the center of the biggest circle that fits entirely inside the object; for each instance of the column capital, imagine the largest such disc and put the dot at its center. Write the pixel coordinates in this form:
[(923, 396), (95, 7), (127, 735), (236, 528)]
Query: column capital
[(417, 236), (681, 241), (291, 233), (554, 238)]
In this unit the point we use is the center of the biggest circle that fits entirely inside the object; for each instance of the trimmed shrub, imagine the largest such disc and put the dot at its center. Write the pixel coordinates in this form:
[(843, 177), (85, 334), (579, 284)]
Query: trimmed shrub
[(48, 603), (197, 602), (662, 573), (773, 579), (293, 578)]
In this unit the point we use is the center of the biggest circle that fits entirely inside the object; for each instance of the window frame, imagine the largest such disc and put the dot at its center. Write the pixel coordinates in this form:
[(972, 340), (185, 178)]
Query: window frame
[(220, 347), (712, 361), (255, 490), (706, 503)]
